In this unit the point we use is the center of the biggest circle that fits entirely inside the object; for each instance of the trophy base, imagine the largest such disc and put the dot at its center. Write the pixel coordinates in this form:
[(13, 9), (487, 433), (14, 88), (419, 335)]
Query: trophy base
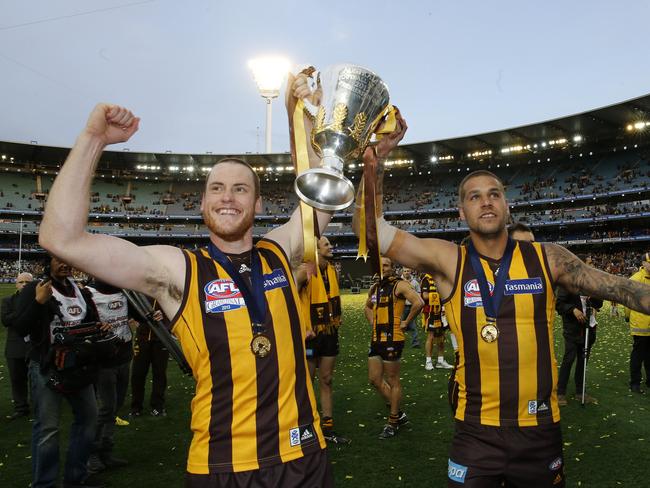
[(324, 189)]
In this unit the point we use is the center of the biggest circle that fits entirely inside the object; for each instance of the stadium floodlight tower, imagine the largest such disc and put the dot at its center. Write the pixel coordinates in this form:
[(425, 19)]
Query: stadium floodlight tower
[(269, 73)]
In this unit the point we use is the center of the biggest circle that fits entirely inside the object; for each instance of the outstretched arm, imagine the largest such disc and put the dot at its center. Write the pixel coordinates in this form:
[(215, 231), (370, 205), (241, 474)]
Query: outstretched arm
[(570, 272), (434, 256), (290, 235), (155, 270)]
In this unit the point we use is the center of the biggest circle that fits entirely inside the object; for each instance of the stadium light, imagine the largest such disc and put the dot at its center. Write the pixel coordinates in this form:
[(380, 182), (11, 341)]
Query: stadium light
[(269, 73), (640, 125)]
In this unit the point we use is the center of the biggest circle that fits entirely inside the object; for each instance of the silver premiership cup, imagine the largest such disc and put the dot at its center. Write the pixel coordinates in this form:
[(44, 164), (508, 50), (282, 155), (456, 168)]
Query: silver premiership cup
[(353, 103)]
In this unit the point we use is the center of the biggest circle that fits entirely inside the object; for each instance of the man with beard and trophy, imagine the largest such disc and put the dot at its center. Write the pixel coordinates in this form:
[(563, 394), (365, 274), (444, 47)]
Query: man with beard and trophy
[(233, 306), (499, 298)]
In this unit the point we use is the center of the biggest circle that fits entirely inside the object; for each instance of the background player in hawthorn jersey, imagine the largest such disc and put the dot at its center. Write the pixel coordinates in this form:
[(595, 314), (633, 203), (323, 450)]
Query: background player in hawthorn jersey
[(254, 418), (507, 417), (435, 324), (384, 310), (321, 302)]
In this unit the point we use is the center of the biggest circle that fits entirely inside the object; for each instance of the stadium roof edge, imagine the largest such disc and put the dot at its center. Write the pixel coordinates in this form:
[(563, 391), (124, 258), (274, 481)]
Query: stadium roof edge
[(601, 124)]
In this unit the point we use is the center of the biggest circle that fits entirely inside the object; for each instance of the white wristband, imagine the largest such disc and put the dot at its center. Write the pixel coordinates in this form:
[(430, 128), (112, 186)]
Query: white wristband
[(385, 234)]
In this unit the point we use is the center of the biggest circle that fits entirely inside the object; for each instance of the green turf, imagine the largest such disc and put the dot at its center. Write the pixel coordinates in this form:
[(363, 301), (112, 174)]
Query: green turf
[(605, 444)]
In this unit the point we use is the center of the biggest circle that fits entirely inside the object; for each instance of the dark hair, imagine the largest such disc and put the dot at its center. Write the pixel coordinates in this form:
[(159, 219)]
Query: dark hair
[(256, 178), (518, 227), (474, 174)]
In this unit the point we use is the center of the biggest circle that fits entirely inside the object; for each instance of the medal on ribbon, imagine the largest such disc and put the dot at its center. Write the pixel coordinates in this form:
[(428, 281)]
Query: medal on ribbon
[(491, 301), (490, 331), (253, 297), (260, 343)]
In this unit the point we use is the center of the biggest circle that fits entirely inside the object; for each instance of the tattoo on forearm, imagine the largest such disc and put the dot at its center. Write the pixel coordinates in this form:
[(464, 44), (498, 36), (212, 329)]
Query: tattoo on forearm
[(577, 277)]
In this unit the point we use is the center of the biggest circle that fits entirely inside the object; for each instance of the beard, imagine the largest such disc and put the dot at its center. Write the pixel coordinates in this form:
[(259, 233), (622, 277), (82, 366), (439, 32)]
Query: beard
[(489, 229), (229, 233)]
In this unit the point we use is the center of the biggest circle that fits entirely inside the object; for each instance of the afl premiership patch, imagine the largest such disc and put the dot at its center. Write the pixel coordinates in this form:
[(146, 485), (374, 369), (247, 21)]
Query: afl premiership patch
[(472, 293), (223, 295)]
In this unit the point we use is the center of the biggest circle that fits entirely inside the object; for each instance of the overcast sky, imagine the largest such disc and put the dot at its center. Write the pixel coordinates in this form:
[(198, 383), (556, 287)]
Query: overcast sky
[(453, 67)]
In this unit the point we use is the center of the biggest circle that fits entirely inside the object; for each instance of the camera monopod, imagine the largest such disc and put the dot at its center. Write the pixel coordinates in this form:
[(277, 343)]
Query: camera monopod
[(585, 356), (144, 309)]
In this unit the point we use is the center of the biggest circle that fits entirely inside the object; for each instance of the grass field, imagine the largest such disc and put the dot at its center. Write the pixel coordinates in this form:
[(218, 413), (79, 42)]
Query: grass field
[(605, 445)]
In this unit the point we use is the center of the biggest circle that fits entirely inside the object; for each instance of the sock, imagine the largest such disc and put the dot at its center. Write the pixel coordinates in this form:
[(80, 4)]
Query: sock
[(327, 423), (393, 419), (428, 359), (454, 342), (441, 359)]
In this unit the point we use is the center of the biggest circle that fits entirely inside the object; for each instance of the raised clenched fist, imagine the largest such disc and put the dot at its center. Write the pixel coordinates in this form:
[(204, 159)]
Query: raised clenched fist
[(111, 123)]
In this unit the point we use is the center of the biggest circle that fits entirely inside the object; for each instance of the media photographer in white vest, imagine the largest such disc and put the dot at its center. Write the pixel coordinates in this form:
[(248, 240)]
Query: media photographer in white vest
[(113, 377), (68, 348)]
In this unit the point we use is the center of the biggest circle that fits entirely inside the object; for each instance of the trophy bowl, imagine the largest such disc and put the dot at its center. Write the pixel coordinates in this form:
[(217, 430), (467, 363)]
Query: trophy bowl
[(354, 102)]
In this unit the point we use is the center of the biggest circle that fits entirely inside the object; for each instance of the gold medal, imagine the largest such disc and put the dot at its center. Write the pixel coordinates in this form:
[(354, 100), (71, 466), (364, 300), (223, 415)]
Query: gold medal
[(490, 331), (260, 345)]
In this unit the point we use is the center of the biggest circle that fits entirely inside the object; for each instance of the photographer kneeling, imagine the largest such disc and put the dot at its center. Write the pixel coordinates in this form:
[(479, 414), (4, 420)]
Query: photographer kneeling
[(68, 345)]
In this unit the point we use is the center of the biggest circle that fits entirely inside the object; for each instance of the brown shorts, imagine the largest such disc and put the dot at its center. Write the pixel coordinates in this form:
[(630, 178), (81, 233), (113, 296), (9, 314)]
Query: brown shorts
[(323, 345), (482, 456), (311, 471), (436, 325), (387, 351)]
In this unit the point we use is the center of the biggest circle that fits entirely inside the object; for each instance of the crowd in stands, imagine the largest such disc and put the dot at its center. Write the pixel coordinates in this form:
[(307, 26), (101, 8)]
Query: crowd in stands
[(9, 268), (623, 263), (403, 189), (620, 262)]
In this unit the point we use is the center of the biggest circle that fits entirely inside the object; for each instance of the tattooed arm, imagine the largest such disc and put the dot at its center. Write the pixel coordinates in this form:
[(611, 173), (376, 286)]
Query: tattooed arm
[(577, 277)]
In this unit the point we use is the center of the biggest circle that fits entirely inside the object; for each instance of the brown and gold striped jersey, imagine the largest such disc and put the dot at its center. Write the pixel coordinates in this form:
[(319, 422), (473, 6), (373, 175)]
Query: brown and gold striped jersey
[(512, 380), (387, 311), (248, 412), (321, 300), (432, 302)]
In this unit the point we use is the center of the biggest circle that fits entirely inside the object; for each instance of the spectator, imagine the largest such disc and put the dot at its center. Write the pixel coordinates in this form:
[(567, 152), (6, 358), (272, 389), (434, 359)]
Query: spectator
[(16, 351)]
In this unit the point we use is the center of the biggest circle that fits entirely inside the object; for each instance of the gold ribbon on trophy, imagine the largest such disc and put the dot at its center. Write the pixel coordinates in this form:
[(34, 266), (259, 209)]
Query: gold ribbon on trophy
[(353, 103), (300, 157), (368, 239)]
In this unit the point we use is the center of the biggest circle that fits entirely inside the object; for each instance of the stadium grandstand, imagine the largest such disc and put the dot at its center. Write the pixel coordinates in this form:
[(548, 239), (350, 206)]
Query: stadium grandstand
[(582, 181)]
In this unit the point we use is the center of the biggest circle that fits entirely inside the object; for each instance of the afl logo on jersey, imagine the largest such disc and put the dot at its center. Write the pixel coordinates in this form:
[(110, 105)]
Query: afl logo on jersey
[(222, 295), (221, 289), (74, 310), (472, 293), (116, 305)]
